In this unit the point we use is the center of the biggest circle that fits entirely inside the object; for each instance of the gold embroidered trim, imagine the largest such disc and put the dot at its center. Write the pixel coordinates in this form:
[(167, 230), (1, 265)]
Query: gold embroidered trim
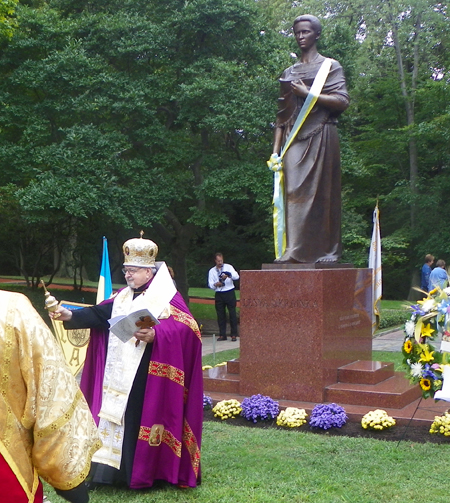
[(190, 442), (10, 460), (187, 319), (172, 442), (35, 484), (166, 370), (167, 438), (5, 364), (84, 473), (144, 433), (60, 422)]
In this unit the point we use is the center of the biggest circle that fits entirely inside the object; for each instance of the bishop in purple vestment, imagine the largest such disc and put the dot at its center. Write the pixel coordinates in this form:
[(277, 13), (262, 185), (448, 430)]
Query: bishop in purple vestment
[(164, 410)]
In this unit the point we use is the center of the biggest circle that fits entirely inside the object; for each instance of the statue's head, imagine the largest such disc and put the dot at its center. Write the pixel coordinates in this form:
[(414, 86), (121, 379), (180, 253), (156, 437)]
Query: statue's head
[(315, 23)]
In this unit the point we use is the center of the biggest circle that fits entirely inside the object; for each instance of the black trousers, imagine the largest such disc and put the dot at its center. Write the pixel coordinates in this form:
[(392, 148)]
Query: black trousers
[(225, 300)]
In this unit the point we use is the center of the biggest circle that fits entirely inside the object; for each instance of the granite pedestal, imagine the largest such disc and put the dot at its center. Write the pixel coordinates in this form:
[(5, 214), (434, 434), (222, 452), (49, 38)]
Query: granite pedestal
[(299, 326)]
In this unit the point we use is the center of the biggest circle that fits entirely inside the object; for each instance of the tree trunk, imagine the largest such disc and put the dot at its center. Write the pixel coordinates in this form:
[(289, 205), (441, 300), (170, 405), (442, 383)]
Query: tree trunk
[(409, 99), (178, 240)]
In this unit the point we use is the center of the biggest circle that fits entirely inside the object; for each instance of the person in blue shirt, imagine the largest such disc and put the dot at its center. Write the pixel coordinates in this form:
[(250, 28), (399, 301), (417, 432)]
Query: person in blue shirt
[(425, 273), (438, 276)]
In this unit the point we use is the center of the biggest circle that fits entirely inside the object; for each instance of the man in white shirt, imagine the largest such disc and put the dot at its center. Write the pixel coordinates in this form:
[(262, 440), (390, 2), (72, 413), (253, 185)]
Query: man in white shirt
[(220, 279)]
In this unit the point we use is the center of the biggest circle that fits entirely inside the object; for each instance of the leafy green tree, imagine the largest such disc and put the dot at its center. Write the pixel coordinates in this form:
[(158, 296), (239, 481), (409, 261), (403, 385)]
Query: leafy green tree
[(8, 21), (157, 115), (404, 66), (145, 114), (393, 136)]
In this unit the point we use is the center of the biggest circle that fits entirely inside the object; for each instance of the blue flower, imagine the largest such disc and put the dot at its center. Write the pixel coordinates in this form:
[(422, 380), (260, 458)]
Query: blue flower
[(259, 407), (427, 372), (327, 416), (207, 402), (417, 310), (444, 307)]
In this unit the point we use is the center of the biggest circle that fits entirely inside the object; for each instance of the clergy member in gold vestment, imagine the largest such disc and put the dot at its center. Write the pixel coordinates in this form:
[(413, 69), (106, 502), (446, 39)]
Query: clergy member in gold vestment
[(46, 428)]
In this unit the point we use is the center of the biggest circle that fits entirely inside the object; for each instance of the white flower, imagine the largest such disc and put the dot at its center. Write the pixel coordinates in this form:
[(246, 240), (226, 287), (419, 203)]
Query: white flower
[(428, 305), (409, 328), (447, 291), (416, 369)]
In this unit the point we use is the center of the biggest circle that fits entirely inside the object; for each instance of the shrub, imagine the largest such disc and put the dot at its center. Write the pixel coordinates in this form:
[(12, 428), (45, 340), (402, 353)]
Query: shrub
[(393, 318)]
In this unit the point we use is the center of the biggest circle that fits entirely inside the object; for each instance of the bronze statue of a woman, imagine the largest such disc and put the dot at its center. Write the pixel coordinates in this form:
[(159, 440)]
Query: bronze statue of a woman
[(311, 164)]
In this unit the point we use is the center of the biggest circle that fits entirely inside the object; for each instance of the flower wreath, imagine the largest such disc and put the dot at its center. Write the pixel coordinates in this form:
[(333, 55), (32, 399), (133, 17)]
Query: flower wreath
[(430, 318)]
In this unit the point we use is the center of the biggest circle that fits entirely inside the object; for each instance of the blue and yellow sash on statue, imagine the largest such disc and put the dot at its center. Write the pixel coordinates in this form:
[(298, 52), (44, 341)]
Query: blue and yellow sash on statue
[(275, 163)]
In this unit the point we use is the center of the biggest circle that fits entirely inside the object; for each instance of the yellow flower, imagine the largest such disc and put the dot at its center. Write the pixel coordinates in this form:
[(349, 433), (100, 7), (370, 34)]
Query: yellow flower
[(425, 384), (227, 409), (291, 417), (426, 355), (441, 424), (432, 292), (427, 330), (377, 420), (407, 347)]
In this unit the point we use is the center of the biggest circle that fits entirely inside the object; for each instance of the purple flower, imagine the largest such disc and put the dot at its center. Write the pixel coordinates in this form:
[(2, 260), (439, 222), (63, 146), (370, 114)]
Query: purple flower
[(207, 402), (417, 309), (427, 372), (328, 416), (259, 407)]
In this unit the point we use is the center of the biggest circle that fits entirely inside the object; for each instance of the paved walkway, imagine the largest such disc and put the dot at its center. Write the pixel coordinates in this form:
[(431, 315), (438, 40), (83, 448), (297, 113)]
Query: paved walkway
[(211, 344), (391, 340), (387, 341)]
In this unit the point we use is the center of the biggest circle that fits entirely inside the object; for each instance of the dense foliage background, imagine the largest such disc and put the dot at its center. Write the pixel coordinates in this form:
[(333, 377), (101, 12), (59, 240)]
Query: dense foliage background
[(122, 116)]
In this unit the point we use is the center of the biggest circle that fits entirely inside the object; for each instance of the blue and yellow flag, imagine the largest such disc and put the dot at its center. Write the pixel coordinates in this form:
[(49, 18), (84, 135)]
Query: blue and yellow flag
[(104, 289)]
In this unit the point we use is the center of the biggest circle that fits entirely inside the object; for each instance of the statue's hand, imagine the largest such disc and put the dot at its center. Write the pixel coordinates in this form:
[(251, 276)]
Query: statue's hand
[(299, 88)]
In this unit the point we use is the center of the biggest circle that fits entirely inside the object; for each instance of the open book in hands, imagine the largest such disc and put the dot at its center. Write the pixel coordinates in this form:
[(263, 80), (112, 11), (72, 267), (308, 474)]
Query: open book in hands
[(124, 327)]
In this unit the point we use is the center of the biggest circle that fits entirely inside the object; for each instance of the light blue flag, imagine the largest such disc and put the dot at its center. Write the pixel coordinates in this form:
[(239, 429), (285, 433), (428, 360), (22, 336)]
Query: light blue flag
[(104, 289)]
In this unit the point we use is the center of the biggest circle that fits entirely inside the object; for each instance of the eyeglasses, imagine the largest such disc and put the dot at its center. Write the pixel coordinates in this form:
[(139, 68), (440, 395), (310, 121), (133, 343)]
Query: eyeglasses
[(131, 271)]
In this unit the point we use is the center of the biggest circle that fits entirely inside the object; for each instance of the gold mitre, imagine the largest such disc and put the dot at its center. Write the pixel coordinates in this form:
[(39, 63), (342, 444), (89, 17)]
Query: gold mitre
[(140, 252)]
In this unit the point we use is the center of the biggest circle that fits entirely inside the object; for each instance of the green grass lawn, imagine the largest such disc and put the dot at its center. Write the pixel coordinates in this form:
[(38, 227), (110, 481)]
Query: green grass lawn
[(256, 465), (221, 356), (394, 304), (205, 293), (396, 357)]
